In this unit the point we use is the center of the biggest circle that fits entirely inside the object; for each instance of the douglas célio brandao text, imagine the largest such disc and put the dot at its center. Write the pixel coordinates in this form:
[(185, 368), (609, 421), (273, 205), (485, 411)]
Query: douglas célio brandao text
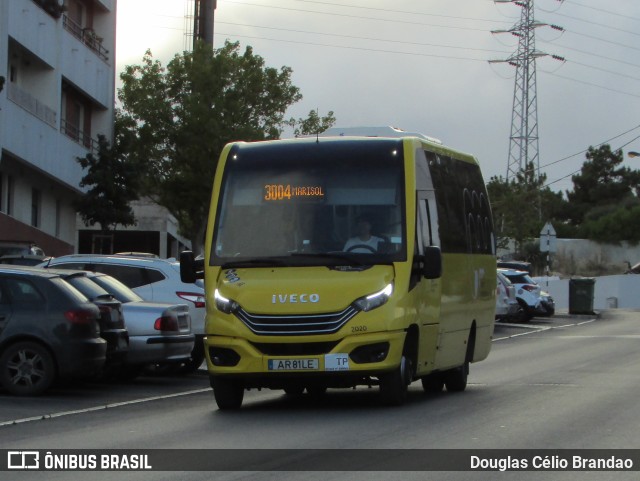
[(551, 463)]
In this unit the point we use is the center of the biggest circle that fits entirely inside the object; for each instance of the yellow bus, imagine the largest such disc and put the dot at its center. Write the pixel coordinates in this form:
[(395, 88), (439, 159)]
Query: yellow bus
[(335, 262)]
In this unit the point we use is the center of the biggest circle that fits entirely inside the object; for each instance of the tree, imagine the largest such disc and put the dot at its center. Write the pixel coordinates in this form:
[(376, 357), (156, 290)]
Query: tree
[(601, 182), (184, 115), (111, 179), (314, 124), (522, 206)]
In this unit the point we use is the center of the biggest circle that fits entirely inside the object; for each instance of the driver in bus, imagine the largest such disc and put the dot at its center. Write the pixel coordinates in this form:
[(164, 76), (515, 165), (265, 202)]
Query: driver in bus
[(363, 242)]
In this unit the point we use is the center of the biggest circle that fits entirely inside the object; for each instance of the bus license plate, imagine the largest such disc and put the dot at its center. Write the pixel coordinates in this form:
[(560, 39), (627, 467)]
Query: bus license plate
[(293, 364)]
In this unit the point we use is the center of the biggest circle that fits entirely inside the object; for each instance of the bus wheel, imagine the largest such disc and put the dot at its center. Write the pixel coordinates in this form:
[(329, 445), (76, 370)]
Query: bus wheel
[(432, 383), (316, 391), (294, 390), (456, 379), (228, 393), (393, 385)]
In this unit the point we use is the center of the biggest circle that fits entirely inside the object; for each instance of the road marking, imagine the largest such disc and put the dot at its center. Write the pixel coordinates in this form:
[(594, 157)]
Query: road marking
[(536, 329), (101, 408)]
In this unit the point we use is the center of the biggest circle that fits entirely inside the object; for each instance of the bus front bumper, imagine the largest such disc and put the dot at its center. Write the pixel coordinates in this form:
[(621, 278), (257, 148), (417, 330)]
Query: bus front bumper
[(271, 364)]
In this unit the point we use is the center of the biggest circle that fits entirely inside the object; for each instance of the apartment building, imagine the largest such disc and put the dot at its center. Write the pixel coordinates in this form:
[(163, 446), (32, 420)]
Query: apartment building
[(57, 75)]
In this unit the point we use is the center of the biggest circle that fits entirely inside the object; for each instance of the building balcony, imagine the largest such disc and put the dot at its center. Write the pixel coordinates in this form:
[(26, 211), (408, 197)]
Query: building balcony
[(52, 7), (82, 138), (87, 36), (31, 104)]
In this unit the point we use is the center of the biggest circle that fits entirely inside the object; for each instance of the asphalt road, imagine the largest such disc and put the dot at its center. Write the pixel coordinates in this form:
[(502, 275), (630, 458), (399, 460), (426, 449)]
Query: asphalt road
[(560, 383)]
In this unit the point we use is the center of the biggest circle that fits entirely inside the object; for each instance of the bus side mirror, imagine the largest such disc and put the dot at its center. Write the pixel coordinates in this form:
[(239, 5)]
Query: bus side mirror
[(432, 263), (190, 268)]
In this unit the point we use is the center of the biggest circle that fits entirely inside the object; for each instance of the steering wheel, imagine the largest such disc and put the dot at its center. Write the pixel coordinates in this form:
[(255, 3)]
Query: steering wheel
[(362, 246)]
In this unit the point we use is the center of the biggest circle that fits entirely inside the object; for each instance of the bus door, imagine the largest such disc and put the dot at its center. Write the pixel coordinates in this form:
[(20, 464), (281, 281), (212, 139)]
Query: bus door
[(428, 290)]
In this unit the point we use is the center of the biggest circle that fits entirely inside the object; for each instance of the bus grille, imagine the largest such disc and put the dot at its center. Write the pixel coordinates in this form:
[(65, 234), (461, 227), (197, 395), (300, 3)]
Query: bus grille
[(275, 325)]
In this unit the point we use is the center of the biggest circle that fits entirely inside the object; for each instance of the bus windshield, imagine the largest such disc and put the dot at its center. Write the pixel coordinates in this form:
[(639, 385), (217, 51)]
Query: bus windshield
[(311, 203)]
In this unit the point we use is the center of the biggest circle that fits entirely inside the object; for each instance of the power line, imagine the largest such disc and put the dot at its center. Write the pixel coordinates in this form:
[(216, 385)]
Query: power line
[(591, 54), (598, 145), (590, 22), (356, 37), (359, 17), (386, 10), (586, 150), (603, 10), (591, 84), (396, 52)]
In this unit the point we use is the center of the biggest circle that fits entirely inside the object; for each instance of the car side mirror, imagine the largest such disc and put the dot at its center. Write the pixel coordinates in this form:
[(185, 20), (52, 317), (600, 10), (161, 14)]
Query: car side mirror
[(190, 268), (432, 263)]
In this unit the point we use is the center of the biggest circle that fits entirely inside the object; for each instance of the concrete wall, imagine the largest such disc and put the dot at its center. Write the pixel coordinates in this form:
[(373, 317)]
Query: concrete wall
[(609, 291)]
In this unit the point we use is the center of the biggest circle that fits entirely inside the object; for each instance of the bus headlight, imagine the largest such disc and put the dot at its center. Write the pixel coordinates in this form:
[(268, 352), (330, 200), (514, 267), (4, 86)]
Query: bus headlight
[(223, 304), (372, 301)]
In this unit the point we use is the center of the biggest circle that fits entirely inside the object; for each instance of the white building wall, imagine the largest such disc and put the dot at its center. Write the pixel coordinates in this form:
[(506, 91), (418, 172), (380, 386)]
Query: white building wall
[(33, 149), (620, 291)]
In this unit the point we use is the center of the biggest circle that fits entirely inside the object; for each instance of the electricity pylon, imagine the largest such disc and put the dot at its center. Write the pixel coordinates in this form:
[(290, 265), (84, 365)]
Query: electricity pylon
[(523, 142)]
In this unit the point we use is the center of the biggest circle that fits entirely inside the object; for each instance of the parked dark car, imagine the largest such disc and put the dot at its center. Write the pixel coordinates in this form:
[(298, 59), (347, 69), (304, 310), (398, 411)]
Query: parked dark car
[(159, 333), (48, 330), (112, 322)]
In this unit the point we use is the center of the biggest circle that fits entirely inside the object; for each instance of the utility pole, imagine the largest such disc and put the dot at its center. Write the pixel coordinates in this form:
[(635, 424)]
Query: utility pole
[(523, 142), (203, 21), (199, 22)]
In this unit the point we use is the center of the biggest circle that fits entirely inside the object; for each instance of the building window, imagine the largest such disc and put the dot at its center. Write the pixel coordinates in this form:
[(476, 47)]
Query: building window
[(36, 205)]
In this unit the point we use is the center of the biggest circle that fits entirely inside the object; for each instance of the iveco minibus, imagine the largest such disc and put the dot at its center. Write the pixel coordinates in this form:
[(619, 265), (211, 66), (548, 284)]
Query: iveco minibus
[(334, 262)]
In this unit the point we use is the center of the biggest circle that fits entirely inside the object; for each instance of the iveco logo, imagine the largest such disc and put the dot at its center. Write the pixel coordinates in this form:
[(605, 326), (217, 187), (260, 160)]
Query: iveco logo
[(294, 298)]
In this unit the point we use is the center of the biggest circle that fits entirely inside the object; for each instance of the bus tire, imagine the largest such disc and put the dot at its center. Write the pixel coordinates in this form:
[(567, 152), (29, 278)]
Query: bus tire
[(228, 393), (294, 390), (456, 379), (393, 385), (316, 391)]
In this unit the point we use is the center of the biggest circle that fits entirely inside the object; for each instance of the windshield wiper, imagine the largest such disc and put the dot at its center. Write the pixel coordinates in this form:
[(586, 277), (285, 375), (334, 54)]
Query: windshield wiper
[(257, 262)]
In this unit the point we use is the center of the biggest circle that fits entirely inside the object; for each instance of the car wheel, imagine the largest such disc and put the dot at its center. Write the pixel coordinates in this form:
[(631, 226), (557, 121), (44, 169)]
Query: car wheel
[(456, 379), (195, 360), (228, 393), (26, 369), (393, 385), (525, 314), (433, 383)]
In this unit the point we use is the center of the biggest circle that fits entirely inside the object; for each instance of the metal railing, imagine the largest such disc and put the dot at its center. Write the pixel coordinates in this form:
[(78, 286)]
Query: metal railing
[(85, 35), (74, 133), (31, 104)]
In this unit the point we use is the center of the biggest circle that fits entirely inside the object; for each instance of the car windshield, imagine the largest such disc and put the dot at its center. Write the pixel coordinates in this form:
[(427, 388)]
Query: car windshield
[(521, 278), (325, 203), (116, 288)]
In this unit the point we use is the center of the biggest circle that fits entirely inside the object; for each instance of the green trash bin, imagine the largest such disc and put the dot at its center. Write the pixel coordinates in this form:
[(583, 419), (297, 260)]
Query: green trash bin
[(581, 295)]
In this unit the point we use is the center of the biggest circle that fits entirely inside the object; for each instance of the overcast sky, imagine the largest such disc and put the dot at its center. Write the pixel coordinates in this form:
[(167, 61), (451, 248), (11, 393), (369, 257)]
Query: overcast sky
[(422, 65)]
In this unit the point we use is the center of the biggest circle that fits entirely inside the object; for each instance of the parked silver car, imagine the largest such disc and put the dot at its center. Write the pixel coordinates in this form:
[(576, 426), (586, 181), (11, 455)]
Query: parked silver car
[(507, 306), (159, 333), (530, 295), (153, 279)]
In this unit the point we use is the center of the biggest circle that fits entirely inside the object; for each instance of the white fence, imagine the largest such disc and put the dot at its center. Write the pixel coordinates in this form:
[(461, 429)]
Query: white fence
[(620, 291)]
